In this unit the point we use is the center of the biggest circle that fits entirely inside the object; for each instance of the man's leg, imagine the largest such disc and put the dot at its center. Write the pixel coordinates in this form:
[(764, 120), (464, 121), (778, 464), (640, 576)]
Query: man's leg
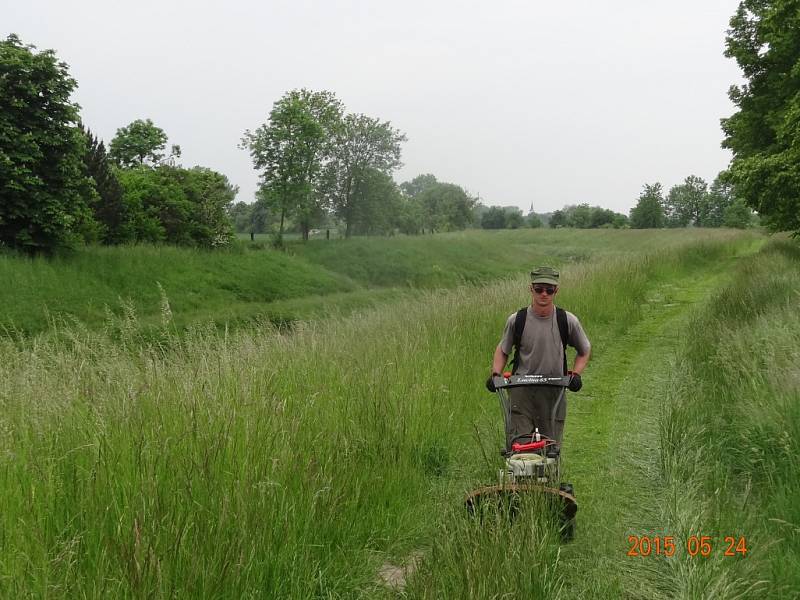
[(521, 414), (543, 404)]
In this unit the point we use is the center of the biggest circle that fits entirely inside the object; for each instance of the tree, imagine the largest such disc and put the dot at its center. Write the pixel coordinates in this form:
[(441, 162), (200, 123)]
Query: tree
[(514, 218), (602, 217), (108, 206), (176, 205), (211, 195), (534, 220), (139, 143), (361, 145), (620, 221), (649, 210), (291, 150), (685, 203), (494, 218), (558, 219), (719, 198), (240, 215), (410, 216), (44, 189), (259, 218), (446, 207), (248, 218), (583, 216), (738, 215), (579, 216), (414, 187), (377, 203), (764, 133)]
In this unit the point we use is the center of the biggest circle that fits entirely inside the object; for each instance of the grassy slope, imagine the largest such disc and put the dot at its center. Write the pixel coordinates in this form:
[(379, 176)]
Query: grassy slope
[(200, 285), (257, 463), (445, 260), (310, 280)]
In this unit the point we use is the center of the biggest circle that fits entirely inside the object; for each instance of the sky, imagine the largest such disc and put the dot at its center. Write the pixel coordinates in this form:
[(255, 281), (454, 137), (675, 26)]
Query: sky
[(522, 103)]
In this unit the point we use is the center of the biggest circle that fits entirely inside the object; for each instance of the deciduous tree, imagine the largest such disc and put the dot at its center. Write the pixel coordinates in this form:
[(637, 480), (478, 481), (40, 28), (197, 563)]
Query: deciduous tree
[(649, 210), (140, 143), (43, 183), (558, 219), (737, 215), (291, 151), (579, 216), (514, 218), (361, 145), (211, 194), (178, 206), (411, 217), (446, 207), (764, 133), (414, 187), (720, 196), (534, 221), (685, 203), (376, 202), (494, 218)]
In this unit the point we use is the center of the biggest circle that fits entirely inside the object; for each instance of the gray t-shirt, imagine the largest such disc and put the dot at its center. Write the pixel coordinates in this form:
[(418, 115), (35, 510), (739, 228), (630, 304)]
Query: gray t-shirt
[(541, 351)]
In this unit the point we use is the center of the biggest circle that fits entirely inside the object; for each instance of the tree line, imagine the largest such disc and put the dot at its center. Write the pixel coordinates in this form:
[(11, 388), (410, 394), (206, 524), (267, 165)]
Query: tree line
[(691, 203), (59, 186), (381, 207), (321, 165)]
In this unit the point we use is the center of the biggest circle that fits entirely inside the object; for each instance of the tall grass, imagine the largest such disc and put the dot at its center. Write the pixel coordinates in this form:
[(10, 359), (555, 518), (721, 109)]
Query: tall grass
[(731, 436), (446, 260), (201, 285), (256, 463), (242, 285)]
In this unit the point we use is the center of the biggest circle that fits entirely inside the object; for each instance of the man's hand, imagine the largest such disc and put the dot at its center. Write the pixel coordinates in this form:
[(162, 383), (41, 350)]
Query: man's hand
[(575, 383), (490, 382)]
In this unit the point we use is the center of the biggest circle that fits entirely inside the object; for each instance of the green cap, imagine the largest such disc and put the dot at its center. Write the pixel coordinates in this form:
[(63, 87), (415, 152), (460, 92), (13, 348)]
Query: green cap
[(544, 275)]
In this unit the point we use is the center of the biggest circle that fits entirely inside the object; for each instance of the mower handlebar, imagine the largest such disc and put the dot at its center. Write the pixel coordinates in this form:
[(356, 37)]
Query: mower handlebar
[(501, 382)]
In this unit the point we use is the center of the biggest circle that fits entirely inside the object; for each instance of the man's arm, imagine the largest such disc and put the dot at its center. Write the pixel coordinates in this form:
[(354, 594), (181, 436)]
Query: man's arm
[(581, 361), (500, 359)]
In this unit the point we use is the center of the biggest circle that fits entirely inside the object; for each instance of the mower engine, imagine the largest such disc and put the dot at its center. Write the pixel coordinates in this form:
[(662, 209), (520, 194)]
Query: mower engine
[(529, 468)]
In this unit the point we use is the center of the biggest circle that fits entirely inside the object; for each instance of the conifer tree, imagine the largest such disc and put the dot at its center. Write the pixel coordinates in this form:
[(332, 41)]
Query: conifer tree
[(108, 206)]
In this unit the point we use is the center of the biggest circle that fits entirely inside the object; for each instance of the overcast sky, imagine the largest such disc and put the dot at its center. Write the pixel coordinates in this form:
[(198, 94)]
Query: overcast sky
[(520, 102)]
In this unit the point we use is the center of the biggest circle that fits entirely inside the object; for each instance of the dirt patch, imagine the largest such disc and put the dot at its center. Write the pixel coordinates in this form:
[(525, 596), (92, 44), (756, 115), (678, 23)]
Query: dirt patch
[(394, 577)]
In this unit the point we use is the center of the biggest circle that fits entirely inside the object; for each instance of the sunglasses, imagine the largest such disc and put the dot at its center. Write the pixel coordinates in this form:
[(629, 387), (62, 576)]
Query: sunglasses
[(548, 289)]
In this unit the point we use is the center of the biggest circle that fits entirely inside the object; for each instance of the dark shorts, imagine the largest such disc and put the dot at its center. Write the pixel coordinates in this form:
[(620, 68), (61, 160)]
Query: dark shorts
[(530, 408)]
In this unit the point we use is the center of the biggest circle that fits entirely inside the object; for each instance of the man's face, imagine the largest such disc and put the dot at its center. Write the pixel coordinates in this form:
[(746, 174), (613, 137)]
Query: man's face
[(543, 293)]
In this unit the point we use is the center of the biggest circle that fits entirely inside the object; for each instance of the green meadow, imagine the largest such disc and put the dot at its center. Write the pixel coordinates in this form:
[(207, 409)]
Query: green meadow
[(251, 282), (224, 455)]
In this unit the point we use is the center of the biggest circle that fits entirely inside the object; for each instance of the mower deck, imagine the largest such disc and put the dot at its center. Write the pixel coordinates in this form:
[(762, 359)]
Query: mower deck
[(508, 493)]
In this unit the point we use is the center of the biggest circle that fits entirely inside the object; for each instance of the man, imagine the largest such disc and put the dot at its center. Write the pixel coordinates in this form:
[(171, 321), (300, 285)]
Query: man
[(540, 352)]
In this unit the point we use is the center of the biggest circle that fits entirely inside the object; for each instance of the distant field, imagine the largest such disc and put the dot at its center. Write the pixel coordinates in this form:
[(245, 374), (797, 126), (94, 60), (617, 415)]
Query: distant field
[(97, 285)]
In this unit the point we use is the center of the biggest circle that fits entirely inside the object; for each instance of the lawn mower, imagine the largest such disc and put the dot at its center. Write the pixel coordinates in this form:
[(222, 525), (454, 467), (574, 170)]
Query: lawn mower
[(532, 464)]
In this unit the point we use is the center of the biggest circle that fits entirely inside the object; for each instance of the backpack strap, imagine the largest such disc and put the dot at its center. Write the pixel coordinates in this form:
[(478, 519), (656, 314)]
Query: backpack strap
[(563, 330), (519, 327)]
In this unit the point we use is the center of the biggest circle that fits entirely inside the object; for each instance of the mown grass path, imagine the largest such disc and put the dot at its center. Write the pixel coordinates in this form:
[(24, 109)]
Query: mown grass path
[(612, 444)]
